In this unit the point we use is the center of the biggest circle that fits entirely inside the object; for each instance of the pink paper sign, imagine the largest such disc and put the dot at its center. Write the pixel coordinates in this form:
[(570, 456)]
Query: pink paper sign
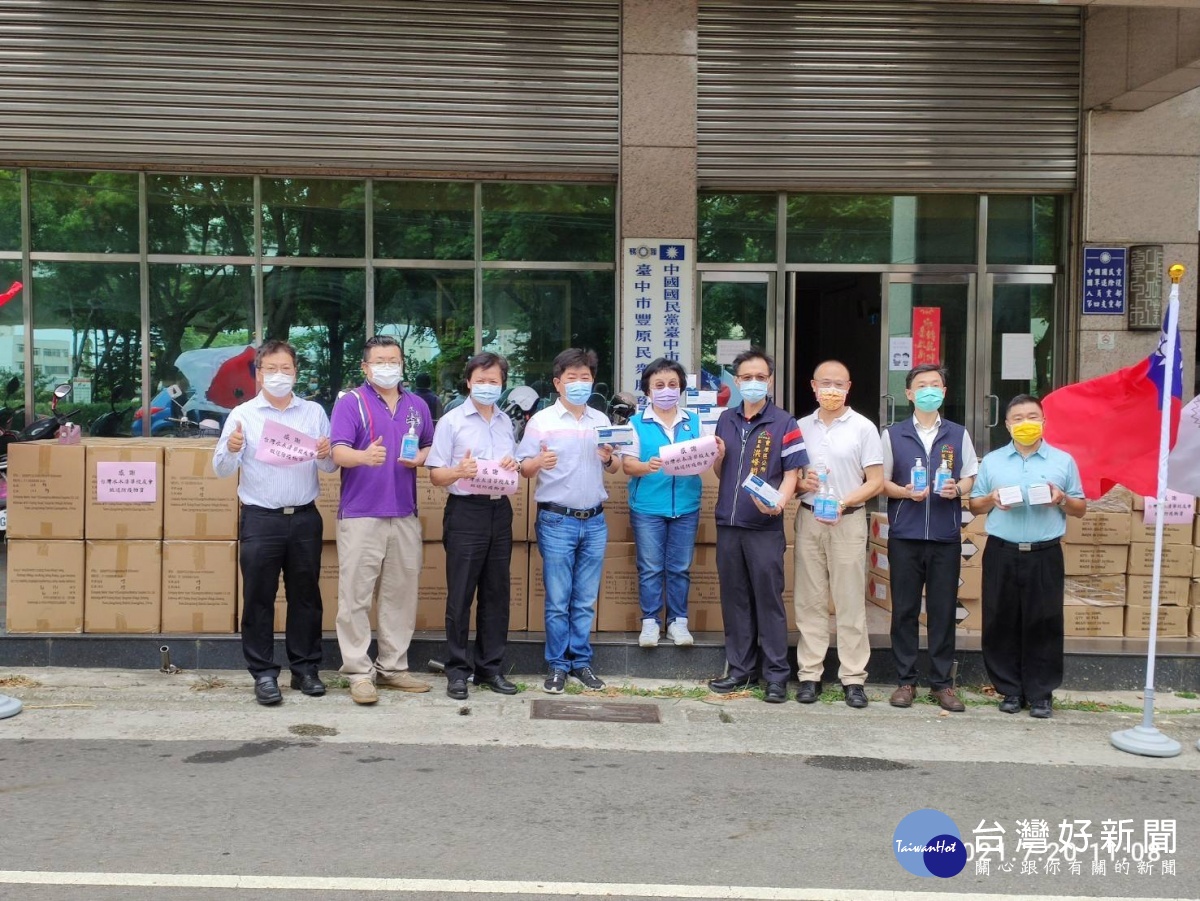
[(281, 445), (1177, 508), (490, 478), (126, 483), (689, 458)]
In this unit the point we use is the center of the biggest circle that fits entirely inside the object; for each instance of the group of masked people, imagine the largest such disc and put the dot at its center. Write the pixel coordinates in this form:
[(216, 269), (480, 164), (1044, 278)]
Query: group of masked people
[(380, 434)]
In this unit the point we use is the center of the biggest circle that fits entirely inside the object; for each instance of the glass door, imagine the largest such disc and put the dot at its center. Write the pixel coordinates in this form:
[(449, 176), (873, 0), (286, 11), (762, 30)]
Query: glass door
[(929, 318), (734, 315)]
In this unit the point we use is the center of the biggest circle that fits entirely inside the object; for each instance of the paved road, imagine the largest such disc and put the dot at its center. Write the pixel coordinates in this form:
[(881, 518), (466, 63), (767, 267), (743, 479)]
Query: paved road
[(132, 774)]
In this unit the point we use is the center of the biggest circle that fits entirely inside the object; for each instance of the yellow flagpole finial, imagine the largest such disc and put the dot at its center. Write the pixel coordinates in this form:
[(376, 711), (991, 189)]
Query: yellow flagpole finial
[(1176, 273)]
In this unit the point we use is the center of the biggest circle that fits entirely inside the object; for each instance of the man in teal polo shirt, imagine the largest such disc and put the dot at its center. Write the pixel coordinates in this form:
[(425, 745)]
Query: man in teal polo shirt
[(1023, 560)]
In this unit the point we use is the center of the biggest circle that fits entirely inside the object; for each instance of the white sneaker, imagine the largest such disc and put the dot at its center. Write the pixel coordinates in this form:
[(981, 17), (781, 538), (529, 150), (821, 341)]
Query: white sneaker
[(649, 636), (678, 633)]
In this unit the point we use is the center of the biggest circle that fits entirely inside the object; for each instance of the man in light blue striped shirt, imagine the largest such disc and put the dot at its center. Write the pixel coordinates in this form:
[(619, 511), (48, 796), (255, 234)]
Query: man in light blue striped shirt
[(280, 528)]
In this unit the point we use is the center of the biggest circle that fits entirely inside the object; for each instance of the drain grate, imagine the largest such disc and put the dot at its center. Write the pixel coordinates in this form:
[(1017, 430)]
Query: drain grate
[(595, 712), (856, 764)]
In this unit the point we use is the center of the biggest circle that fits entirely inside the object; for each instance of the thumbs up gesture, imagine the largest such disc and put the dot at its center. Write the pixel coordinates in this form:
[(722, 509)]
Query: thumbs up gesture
[(467, 467), (237, 440), (375, 454), (547, 459)]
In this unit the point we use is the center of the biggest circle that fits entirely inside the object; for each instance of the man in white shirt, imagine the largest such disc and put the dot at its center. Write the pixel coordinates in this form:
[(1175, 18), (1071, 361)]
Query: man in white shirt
[(280, 527), (829, 555)]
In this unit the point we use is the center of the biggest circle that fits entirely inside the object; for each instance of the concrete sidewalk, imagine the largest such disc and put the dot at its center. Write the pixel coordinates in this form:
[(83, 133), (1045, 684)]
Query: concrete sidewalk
[(71, 703)]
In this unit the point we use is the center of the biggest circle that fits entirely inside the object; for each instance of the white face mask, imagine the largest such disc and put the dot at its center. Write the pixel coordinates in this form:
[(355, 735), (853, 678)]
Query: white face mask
[(385, 375), (278, 385)]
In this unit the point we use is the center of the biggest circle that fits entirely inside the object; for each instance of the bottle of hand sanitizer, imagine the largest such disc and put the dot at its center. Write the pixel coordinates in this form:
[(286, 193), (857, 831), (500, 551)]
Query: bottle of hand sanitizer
[(942, 476), (409, 446), (825, 505), (920, 476)]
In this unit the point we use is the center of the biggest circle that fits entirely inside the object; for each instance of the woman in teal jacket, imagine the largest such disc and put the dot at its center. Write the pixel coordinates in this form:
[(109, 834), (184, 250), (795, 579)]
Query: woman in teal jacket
[(663, 509)]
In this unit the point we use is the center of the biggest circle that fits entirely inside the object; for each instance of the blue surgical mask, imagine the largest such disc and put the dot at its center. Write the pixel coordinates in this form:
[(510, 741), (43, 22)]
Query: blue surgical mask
[(485, 394), (752, 391), (928, 399), (578, 392)]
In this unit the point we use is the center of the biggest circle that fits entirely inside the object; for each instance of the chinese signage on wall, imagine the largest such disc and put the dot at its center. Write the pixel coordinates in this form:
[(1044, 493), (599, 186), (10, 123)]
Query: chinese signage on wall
[(657, 319), (926, 335), (1104, 280)]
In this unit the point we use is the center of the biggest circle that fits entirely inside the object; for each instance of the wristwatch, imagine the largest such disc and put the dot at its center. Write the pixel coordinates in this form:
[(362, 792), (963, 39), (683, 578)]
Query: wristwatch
[(1063, 502)]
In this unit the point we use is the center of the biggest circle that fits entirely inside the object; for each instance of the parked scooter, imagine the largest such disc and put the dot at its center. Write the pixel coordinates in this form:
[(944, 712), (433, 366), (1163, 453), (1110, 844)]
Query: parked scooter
[(110, 424), (35, 431)]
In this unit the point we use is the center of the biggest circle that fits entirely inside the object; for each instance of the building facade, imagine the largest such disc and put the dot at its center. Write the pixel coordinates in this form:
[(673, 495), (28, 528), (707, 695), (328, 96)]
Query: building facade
[(881, 182)]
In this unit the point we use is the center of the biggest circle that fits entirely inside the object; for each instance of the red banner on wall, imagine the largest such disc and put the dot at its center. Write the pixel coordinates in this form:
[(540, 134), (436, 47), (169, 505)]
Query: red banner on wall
[(927, 335)]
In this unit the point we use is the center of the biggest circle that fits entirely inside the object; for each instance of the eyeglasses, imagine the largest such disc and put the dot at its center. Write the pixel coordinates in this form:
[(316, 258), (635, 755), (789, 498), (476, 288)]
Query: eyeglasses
[(278, 370)]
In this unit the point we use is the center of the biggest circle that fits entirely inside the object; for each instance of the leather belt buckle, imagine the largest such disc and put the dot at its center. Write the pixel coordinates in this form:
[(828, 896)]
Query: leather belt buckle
[(287, 511), (1025, 546), (495, 497), (582, 514)]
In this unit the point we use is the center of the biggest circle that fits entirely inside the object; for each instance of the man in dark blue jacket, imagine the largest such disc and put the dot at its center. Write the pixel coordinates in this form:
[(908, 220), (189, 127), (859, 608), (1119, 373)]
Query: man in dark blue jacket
[(754, 437), (925, 533)]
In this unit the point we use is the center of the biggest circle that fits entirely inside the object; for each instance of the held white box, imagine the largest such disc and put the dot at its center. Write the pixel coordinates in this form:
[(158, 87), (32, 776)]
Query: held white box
[(1039, 494), (1011, 496), (765, 492), (615, 435)]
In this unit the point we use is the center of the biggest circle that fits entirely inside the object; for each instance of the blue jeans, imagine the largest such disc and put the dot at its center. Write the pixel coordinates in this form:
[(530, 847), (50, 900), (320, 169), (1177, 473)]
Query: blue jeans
[(572, 557), (665, 547)]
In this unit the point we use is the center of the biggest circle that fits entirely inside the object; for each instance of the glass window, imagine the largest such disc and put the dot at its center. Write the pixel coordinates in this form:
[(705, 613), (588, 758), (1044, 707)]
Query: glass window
[(314, 217), (10, 212), (200, 214), (529, 316), (737, 228), (432, 314), (730, 311), (321, 312), (87, 330), (1024, 230), (424, 220), (84, 212), (201, 325), (544, 222), (12, 341), (873, 228)]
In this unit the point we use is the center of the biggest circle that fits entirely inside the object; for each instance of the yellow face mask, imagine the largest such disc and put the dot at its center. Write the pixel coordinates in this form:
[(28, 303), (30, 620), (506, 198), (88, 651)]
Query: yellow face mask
[(1027, 433)]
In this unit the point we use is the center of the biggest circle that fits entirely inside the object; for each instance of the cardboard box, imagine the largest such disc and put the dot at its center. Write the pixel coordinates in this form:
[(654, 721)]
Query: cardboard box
[(704, 596), (1093, 622), (879, 591), (1195, 564), (431, 594), (1173, 590), (1098, 528), (969, 616), (199, 506), (1095, 559), (972, 551), (328, 499), (1174, 533), (199, 581), (973, 523), (45, 490), (1094, 591), (878, 529), (124, 521), (45, 585), (122, 586), (1172, 622), (1194, 630), (1176, 560), (877, 561), (970, 584)]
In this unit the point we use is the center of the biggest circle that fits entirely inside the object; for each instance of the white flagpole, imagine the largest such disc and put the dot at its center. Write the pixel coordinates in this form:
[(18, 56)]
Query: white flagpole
[(1145, 739)]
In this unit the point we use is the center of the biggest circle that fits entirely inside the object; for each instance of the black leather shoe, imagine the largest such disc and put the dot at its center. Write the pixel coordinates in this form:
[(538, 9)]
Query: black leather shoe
[(776, 693), (1041, 710), (498, 684), (729, 684), (808, 692), (309, 684), (457, 689), (1011, 704), (266, 690), (856, 697)]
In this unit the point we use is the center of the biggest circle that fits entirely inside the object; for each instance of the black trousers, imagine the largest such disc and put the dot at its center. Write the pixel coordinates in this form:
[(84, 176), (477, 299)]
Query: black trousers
[(271, 543), (750, 572), (932, 566), (1023, 619), (477, 535)]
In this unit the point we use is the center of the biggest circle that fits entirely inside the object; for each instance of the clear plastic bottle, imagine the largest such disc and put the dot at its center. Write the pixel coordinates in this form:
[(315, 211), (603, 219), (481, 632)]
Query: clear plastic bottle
[(920, 476), (410, 445), (941, 477), (825, 504)]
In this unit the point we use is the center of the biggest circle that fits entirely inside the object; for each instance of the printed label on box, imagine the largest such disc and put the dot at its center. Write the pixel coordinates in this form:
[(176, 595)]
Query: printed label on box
[(126, 483)]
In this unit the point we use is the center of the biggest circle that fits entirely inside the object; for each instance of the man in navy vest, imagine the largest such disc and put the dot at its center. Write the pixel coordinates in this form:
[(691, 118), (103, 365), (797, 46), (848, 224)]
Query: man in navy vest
[(924, 533)]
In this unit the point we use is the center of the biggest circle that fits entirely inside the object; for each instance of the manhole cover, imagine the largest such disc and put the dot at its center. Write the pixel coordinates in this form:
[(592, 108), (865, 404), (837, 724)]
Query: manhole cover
[(595, 712), (856, 764)]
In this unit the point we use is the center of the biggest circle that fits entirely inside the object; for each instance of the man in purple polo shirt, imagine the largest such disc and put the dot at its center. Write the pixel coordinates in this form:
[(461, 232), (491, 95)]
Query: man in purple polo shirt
[(378, 533)]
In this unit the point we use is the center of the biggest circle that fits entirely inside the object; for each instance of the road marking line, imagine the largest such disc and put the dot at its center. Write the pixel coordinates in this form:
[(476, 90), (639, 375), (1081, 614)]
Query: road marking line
[(493, 887)]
